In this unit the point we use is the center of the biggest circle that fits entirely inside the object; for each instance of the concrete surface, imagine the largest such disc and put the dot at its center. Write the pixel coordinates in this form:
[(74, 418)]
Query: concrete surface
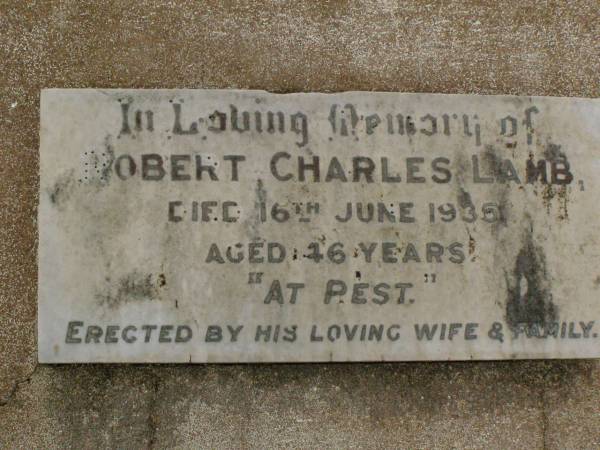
[(528, 48)]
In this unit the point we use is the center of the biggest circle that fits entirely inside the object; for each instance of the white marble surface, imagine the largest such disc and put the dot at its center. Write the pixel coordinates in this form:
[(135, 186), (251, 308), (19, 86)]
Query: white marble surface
[(497, 267)]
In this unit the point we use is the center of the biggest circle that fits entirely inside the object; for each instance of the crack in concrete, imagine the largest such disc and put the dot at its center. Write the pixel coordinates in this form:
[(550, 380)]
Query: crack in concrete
[(16, 386), (545, 420), (152, 419), (544, 408)]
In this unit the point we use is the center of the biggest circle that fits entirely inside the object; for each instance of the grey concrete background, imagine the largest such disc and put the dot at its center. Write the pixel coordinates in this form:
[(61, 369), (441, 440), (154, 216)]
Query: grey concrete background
[(487, 47)]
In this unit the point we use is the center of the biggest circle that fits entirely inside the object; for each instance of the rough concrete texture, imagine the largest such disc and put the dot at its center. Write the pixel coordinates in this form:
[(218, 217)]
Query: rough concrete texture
[(525, 47)]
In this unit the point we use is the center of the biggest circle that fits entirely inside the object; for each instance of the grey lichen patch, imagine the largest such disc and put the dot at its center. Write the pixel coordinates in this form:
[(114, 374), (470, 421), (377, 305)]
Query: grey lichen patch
[(529, 298), (62, 189), (133, 287)]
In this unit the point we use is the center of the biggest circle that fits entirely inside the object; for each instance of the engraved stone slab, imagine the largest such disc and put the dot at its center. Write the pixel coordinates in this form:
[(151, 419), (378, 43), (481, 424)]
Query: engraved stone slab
[(244, 226)]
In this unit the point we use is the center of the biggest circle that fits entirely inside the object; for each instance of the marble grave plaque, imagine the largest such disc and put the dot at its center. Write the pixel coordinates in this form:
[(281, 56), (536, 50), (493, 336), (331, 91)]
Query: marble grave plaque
[(226, 226)]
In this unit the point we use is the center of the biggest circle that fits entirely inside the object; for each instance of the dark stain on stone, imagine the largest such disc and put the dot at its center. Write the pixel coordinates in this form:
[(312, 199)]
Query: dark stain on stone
[(464, 199), (549, 192), (563, 196), (462, 166), (494, 160), (502, 195), (553, 154), (62, 189), (500, 190), (597, 282), (261, 194), (98, 164), (109, 153), (253, 222), (529, 295), (500, 166), (491, 164), (132, 287)]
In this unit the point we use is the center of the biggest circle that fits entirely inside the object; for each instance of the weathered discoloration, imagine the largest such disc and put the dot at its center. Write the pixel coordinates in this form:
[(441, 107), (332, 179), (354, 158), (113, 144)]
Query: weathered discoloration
[(96, 164), (471, 244), (561, 193), (529, 296), (133, 287), (493, 158), (253, 223), (500, 191), (62, 189), (553, 153), (464, 199), (109, 158)]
